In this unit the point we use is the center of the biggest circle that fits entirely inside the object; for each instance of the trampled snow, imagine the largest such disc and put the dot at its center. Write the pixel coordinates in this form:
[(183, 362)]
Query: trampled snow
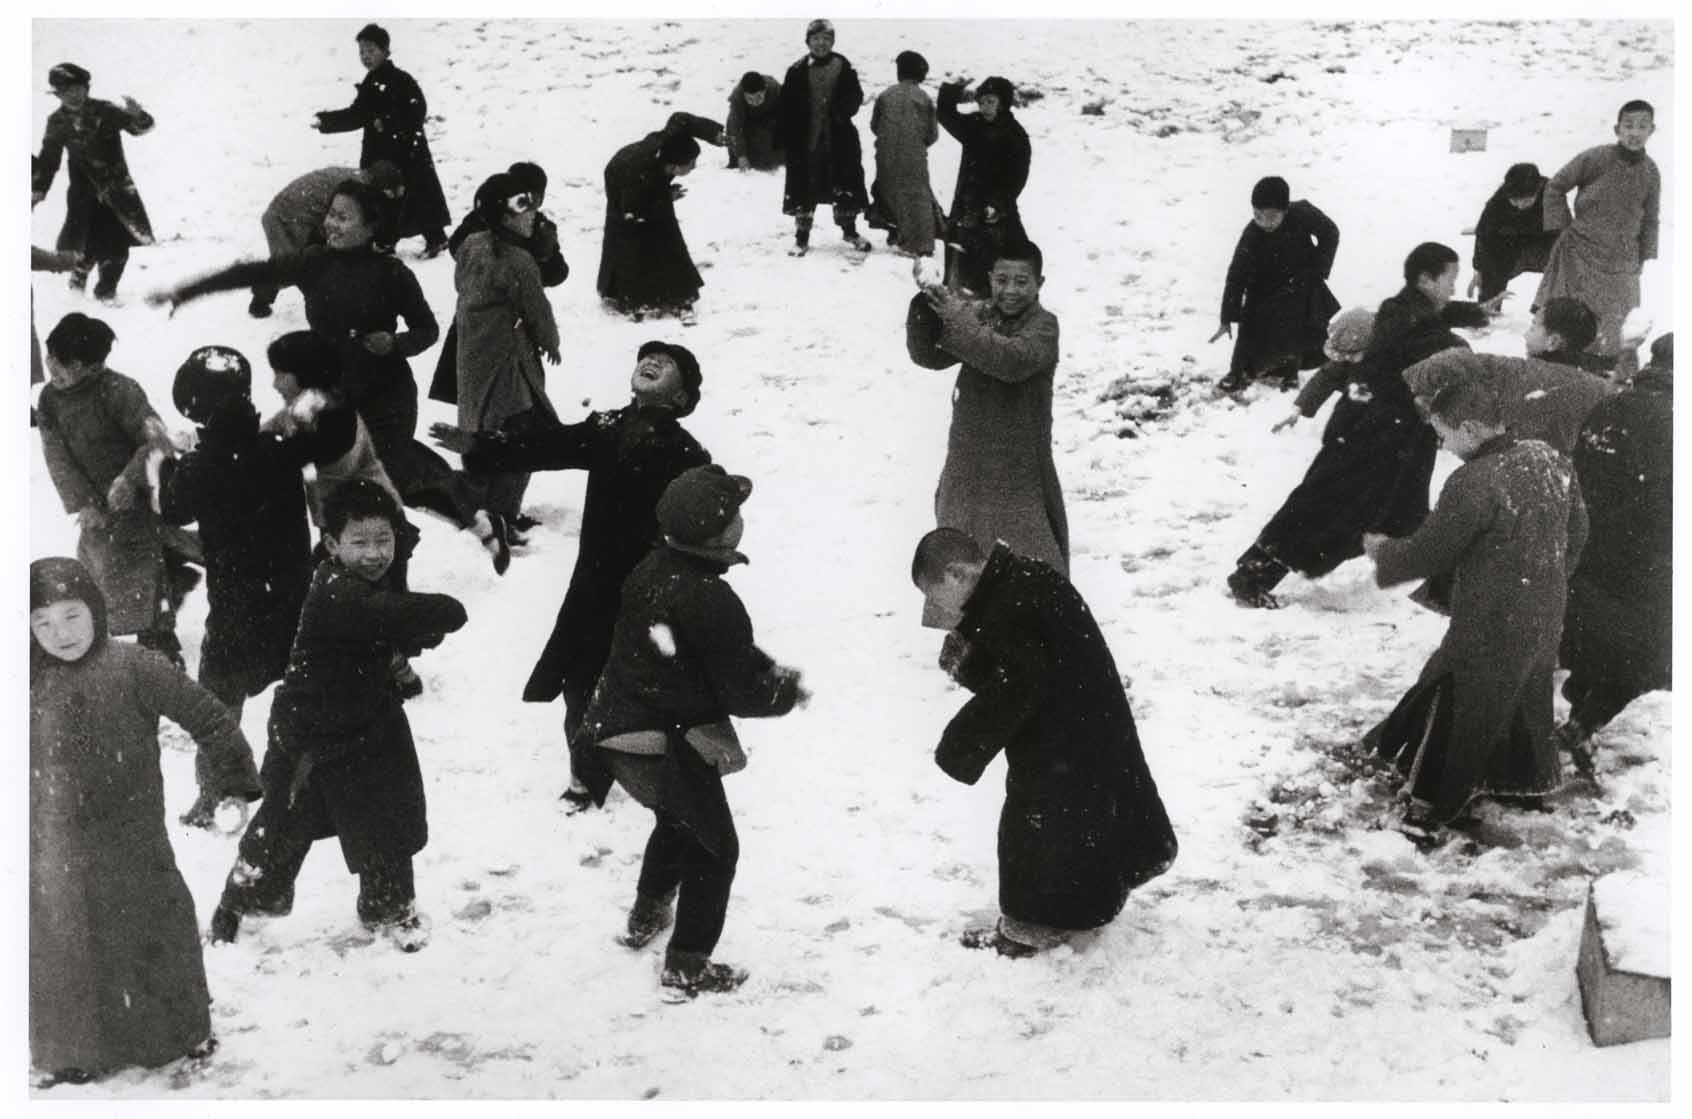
[(1296, 950)]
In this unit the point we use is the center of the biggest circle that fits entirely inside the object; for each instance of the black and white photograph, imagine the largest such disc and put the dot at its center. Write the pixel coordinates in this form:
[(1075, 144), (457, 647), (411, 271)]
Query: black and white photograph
[(931, 554)]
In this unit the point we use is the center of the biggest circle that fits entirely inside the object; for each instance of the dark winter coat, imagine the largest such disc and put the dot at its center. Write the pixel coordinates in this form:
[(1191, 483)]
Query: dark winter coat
[(338, 705), (1277, 291), (644, 260), (90, 433), (391, 110), (682, 655), (1509, 241), (1618, 632), (99, 178), (348, 294), (905, 128), (1541, 399), (243, 487), (1605, 242), (755, 133), (1082, 822), (115, 975), (825, 161), (993, 166), (999, 481), (504, 324), (1508, 529), (630, 456), (554, 270)]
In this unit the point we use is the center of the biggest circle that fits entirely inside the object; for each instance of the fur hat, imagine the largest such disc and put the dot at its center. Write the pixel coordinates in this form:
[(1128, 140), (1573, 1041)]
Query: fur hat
[(1271, 193), (700, 502), (998, 87), (688, 365), (67, 74), (213, 378), (370, 33), (1349, 333)]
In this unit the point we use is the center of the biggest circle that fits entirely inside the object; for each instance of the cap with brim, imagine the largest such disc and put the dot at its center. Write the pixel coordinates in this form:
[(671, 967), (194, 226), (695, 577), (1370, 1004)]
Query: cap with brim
[(700, 503)]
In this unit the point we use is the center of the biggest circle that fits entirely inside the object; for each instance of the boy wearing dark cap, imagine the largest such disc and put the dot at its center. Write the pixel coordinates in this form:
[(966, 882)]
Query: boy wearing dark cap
[(825, 162), (294, 218), (753, 130), (630, 456), (683, 662), (1277, 289), (390, 108), (1510, 237), (103, 211)]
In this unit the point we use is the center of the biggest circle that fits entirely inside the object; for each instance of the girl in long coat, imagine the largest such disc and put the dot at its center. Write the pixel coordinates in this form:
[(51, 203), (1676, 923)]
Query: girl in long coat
[(992, 170), (905, 128), (644, 263), (505, 325), (825, 161), (103, 211), (391, 110), (115, 974), (1507, 531), (1613, 230)]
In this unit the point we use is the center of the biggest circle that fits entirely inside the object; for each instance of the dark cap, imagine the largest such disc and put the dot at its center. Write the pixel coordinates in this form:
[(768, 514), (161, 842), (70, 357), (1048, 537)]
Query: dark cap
[(699, 503), (998, 87), (67, 74), (1271, 193), (371, 33), (686, 363)]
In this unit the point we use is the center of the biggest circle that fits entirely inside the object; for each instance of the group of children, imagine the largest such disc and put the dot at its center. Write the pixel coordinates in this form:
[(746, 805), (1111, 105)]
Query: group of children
[(653, 653)]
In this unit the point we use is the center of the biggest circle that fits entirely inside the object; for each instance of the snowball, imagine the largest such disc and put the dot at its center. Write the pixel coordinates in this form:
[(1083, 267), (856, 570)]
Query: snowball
[(663, 639)]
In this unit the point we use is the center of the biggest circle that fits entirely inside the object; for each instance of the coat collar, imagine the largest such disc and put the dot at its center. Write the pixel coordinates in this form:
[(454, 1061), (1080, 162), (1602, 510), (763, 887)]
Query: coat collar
[(1496, 445), (715, 560), (999, 563)]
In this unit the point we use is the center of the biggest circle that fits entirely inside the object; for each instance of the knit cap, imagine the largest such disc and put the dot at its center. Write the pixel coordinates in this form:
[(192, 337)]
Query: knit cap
[(1349, 333)]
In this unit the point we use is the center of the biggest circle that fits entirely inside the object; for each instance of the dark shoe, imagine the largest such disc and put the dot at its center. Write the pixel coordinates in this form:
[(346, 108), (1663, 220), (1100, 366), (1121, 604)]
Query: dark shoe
[(203, 1050), (576, 799), (78, 281), (1232, 383), (225, 925), (498, 543), (1419, 827), (259, 308), (856, 241), (408, 933), (646, 920), (1246, 594), (202, 813), (522, 522), (991, 937), (709, 979)]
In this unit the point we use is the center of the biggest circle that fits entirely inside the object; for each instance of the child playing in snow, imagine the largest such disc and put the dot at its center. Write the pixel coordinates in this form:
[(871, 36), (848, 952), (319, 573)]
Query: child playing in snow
[(1349, 487), (243, 489), (993, 169), (1507, 531), (97, 434), (115, 974), (753, 129), (825, 164), (1602, 248), (1082, 823), (1277, 288), (341, 760), (905, 127), (682, 662), (1561, 331), (1538, 399), (1510, 237), (999, 481), (630, 455)]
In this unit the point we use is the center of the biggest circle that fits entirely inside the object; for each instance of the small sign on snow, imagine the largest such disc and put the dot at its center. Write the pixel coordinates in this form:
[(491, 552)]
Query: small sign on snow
[(1468, 140)]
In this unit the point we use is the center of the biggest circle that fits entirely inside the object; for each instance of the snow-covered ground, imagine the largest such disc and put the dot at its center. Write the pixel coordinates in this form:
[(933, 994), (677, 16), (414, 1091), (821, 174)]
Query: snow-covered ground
[(1296, 950)]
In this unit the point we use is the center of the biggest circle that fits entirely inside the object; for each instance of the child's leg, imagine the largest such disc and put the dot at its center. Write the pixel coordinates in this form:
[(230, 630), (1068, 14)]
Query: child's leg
[(802, 222), (386, 890), (268, 859), (111, 271), (706, 877)]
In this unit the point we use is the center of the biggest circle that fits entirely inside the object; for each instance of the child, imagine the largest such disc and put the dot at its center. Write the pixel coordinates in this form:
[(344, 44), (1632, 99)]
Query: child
[(1507, 530), (644, 265), (243, 488), (391, 110), (103, 211), (341, 760), (1602, 249), (1619, 630), (1351, 483), (630, 455), (825, 162), (1510, 237), (992, 170), (1561, 331), (294, 218), (753, 129), (905, 128), (682, 662), (115, 974), (1082, 823), (1538, 399), (97, 433), (999, 481), (1277, 289)]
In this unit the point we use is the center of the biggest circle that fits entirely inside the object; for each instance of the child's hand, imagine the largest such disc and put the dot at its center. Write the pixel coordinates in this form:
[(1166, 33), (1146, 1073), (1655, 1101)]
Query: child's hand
[(91, 516), (1286, 423), (553, 357), (1222, 330), (378, 342), (1495, 305), (454, 439), (1474, 284), (121, 494), (164, 298), (133, 107), (677, 191), (1372, 542)]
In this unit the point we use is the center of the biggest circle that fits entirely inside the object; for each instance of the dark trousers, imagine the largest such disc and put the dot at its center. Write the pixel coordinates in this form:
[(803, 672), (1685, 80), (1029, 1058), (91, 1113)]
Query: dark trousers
[(271, 854), (107, 248), (693, 849)]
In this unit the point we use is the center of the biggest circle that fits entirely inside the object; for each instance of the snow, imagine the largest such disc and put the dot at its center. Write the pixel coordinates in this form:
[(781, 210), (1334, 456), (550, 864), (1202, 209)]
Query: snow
[(1296, 950), (1633, 916)]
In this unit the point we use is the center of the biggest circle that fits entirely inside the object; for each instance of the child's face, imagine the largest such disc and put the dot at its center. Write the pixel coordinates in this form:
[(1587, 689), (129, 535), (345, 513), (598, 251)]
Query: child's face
[(680, 170), (1634, 129), (1439, 288), (72, 97), (345, 226), (754, 98), (63, 372), (287, 386), (365, 547), (371, 55), (820, 44), (988, 104), (1538, 339), (64, 629), (1268, 220), (947, 595), (1464, 439), (1014, 284), (658, 380)]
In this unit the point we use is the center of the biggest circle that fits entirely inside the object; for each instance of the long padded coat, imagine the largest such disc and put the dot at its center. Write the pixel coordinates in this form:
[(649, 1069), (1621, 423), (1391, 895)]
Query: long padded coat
[(828, 168), (115, 975), (390, 108), (103, 210), (643, 261), (999, 481), (1508, 529), (905, 128), (1540, 399), (1082, 822), (1277, 291), (504, 321), (1611, 233)]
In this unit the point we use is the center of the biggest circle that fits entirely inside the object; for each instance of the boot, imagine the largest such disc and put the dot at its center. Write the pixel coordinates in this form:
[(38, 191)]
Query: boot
[(687, 981), (1255, 574), (990, 937), (647, 918), (491, 531), (225, 925), (801, 236), (854, 239)]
